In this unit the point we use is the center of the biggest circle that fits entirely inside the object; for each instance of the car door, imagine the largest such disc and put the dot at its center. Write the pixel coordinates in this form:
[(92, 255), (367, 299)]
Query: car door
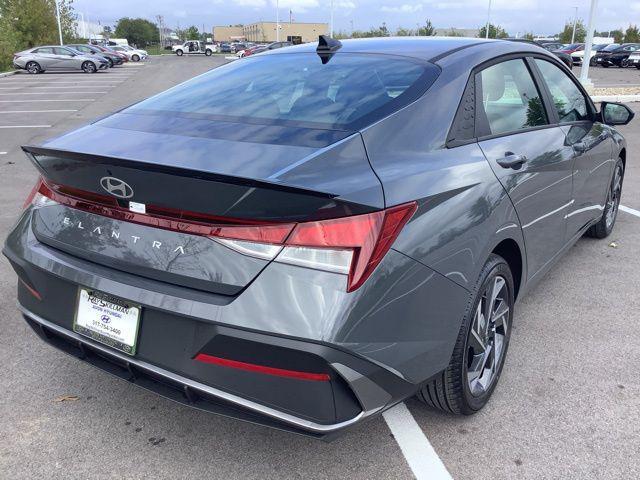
[(527, 152), (46, 58), (65, 59), (590, 140)]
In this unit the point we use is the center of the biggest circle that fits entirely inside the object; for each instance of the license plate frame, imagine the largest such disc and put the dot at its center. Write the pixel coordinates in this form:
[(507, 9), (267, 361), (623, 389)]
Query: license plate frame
[(107, 319)]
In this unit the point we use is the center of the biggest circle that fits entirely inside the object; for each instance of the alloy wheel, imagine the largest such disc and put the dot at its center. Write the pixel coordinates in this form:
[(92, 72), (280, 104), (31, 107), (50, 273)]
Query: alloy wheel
[(488, 337), (613, 199), (33, 67)]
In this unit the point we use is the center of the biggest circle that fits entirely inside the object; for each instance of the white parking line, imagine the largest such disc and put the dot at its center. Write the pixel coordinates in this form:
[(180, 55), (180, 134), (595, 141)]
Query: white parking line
[(37, 111), (632, 211), (54, 100), (25, 126), (55, 88), (420, 455), (45, 93), (3, 153)]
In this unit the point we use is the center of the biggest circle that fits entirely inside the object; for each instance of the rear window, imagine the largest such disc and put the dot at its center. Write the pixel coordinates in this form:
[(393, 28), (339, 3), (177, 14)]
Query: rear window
[(348, 92)]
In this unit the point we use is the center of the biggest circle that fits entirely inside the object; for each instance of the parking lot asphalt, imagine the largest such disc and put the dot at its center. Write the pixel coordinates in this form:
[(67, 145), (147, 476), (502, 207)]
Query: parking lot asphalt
[(567, 407), (612, 76)]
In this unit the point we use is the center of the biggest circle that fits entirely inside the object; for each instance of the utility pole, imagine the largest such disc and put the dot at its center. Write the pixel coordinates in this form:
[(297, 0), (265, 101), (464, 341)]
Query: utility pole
[(575, 20), (584, 71), (160, 22), (277, 20), (59, 25), (486, 34)]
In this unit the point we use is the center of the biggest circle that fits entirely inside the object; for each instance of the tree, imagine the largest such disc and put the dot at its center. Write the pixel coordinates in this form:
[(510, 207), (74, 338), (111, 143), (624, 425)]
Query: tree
[(495, 31), (137, 31), (528, 36), (403, 32), (632, 34), (381, 31), (27, 23), (192, 33), (427, 30), (566, 33), (107, 31)]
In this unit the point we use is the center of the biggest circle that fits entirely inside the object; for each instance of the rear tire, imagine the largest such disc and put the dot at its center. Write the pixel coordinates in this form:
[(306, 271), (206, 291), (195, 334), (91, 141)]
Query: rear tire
[(466, 385), (179, 53), (33, 68), (110, 62), (208, 52), (605, 225)]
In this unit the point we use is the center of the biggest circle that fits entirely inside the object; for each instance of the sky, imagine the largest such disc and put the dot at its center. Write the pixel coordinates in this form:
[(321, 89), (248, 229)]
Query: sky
[(541, 17)]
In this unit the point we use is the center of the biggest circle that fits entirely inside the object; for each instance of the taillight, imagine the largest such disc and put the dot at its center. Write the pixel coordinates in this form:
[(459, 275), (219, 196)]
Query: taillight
[(352, 246)]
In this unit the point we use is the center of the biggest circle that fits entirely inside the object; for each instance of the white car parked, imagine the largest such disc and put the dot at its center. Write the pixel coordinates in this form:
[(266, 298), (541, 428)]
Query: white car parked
[(134, 54), (578, 56), (191, 47)]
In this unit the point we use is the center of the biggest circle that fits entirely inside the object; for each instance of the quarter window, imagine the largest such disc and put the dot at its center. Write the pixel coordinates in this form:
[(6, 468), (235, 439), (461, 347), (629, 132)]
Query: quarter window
[(568, 100), (509, 98)]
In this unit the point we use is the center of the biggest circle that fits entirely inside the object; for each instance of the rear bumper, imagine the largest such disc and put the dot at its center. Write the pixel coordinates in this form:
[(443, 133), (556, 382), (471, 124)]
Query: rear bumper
[(185, 390)]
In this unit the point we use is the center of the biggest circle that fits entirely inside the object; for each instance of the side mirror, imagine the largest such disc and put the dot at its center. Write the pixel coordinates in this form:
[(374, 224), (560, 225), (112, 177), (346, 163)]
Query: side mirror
[(615, 113)]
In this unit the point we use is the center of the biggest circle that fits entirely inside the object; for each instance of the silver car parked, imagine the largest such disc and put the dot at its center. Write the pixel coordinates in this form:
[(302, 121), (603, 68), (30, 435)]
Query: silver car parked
[(51, 57)]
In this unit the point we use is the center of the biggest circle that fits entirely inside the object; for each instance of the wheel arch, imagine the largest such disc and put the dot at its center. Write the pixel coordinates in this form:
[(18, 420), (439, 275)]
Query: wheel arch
[(512, 254), (623, 157)]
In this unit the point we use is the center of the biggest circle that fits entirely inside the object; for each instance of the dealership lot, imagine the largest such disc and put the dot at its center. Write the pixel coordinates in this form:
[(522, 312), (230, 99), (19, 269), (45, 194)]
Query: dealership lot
[(568, 405)]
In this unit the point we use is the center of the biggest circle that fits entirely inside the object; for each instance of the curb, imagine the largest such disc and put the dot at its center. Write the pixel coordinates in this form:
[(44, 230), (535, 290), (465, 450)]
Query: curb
[(615, 98), (6, 74)]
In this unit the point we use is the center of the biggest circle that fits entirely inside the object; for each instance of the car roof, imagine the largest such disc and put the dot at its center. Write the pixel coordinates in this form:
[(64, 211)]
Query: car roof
[(424, 48)]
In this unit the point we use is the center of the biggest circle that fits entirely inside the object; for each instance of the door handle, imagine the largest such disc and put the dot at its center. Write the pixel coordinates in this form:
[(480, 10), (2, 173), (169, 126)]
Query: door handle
[(511, 160)]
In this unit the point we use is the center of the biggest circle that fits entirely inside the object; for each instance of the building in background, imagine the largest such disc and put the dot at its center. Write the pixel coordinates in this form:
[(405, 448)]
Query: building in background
[(296, 32)]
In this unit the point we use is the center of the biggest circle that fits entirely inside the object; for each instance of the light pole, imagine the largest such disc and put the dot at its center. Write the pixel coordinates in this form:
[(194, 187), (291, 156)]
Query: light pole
[(277, 20), (84, 26), (59, 26), (586, 60), (331, 24), (575, 20), (486, 34)]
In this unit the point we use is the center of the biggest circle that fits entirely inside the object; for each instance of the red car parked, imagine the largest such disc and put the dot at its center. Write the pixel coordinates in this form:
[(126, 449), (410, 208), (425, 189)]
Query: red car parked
[(112, 52)]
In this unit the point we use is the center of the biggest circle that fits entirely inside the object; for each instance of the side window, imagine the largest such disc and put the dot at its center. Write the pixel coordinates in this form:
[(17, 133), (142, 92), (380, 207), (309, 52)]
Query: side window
[(508, 98), (568, 100), (62, 51)]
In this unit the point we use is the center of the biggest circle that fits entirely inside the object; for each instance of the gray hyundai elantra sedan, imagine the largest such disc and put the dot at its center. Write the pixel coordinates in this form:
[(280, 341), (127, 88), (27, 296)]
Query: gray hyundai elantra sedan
[(308, 236)]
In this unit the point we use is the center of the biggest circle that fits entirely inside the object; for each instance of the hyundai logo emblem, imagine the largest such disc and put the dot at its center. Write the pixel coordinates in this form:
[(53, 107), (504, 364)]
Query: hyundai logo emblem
[(105, 318), (116, 187)]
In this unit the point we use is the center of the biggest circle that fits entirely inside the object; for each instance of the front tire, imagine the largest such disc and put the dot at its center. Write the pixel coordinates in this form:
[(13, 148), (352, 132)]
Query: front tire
[(605, 225), (89, 67), (135, 57), (110, 62), (33, 68), (466, 385)]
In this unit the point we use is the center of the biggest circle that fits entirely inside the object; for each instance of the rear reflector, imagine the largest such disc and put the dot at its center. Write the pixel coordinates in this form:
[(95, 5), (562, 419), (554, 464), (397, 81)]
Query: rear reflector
[(352, 246), (251, 367)]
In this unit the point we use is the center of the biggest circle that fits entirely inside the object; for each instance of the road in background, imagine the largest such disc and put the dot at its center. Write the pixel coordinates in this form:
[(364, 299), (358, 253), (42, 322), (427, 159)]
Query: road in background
[(568, 405)]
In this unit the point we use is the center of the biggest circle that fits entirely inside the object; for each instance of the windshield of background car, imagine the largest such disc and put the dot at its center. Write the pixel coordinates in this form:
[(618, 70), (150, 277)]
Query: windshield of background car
[(349, 91), (611, 47)]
